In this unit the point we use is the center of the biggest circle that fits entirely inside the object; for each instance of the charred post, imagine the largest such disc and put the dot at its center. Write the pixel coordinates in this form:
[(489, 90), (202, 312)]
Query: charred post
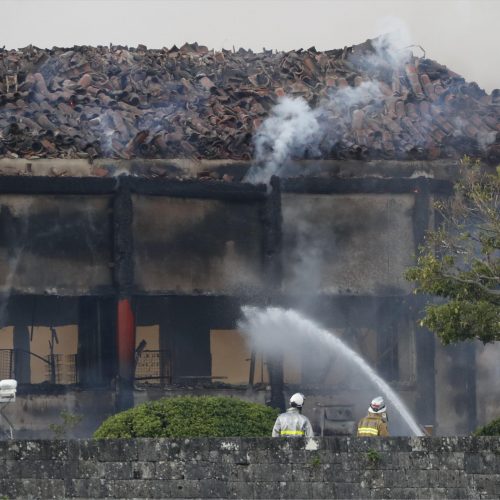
[(425, 342), (124, 283)]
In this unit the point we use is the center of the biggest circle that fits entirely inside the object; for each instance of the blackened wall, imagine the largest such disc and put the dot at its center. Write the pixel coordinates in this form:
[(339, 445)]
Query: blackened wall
[(197, 245), (55, 244)]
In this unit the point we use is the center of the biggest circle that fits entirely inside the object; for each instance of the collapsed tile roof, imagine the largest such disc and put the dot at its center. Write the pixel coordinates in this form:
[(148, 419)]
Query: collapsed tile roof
[(191, 102)]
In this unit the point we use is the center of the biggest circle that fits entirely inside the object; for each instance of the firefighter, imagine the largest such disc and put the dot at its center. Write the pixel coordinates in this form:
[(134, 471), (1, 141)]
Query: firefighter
[(292, 423), (375, 423)]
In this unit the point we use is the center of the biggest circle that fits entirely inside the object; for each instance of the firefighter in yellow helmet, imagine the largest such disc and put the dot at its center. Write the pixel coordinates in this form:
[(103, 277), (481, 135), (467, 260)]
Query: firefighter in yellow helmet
[(292, 423), (375, 423)]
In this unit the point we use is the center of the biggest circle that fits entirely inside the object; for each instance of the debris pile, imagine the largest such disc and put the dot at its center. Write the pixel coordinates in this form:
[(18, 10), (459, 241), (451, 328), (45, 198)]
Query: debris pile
[(192, 102)]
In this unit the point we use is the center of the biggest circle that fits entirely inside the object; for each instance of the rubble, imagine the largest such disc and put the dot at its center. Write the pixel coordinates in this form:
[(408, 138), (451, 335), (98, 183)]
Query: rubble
[(192, 102)]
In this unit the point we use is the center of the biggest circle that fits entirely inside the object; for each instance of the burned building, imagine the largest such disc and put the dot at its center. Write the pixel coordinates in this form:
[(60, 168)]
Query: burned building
[(131, 239)]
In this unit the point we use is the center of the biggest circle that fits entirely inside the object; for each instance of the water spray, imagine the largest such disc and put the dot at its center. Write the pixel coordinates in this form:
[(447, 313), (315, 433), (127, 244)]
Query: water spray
[(269, 330)]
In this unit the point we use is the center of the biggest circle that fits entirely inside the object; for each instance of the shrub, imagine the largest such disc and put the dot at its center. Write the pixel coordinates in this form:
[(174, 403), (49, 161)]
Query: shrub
[(491, 429), (190, 416)]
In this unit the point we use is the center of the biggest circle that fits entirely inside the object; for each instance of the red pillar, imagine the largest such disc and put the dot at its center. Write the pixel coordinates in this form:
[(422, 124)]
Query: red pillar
[(125, 341)]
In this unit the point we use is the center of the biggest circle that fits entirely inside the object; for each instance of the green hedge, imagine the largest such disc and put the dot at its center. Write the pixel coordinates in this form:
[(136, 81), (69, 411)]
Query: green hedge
[(190, 416), (491, 429)]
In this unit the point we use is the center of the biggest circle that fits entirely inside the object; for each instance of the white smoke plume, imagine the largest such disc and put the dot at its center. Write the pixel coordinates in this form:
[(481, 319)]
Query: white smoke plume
[(294, 128), (291, 128), (392, 44)]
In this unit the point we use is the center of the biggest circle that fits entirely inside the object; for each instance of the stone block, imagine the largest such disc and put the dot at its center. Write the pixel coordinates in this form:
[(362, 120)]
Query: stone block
[(239, 489), (363, 444), (43, 469), (420, 443), (265, 472), (21, 450), (322, 490), (152, 450), (418, 478), (380, 493), (152, 488), (195, 449), (228, 472), (11, 488), (394, 479), (115, 470), (351, 461), (291, 490), (401, 460), (170, 470), (274, 456), (452, 479), (9, 469), (268, 489), (85, 449), (308, 473), (112, 450), (405, 493), (338, 475), (54, 449), (394, 444), (458, 493), (200, 470), (372, 479), (186, 489), (487, 485), (86, 488), (42, 488), (143, 470), (451, 461), (335, 444), (350, 490), (211, 488), (480, 463), (83, 469), (437, 493), (419, 460)]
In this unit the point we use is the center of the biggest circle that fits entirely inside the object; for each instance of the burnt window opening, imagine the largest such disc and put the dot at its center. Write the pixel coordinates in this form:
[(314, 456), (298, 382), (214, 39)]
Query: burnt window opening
[(58, 341), (233, 362)]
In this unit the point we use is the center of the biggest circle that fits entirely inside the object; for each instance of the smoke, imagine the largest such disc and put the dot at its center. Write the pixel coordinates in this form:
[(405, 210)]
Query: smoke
[(290, 130), (295, 130), (392, 44), (487, 387), (383, 103)]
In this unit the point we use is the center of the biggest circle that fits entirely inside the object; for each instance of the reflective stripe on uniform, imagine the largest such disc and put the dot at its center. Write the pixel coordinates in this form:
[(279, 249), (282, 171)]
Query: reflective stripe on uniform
[(372, 431), (292, 433)]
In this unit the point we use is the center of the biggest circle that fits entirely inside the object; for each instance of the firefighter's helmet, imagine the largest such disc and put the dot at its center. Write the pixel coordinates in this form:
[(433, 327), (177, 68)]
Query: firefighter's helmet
[(377, 405), (297, 400)]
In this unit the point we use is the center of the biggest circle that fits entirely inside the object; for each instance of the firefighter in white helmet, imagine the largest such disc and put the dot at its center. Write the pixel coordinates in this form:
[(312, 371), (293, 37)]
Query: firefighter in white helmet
[(292, 423), (375, 423)]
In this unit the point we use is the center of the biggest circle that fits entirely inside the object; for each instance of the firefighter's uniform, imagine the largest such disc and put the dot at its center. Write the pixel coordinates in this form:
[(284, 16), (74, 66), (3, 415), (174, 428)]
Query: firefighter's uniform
[(373, 425), (292, 424)]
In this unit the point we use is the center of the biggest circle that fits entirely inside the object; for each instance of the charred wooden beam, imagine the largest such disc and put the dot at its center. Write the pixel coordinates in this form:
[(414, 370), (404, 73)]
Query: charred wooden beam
[(197, 189), (56, 185), (425, 342), (273, 236), (333, 185)]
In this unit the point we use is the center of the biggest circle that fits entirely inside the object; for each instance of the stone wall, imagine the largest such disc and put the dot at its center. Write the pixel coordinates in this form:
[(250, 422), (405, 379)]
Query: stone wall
[(252, 468)]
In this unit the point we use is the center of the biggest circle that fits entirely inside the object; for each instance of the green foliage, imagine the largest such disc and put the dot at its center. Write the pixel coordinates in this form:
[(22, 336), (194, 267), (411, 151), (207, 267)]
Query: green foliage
[(70, 421), (491, 429), (373, 456), (190, 416), (460, 261), (315, 461)]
